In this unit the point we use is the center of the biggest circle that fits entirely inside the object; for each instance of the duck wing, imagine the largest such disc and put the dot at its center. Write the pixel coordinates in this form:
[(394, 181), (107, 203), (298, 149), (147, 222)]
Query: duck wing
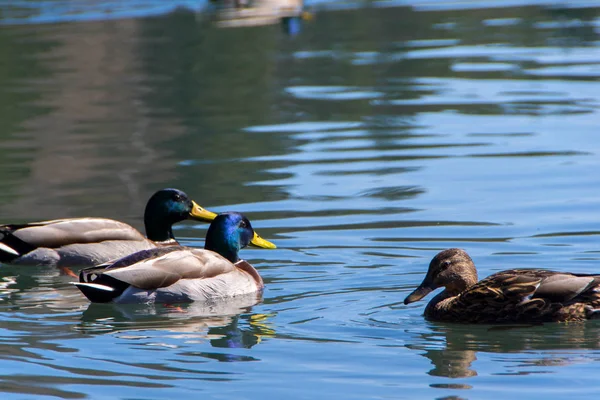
[(565, 288), (34, 243), (526, 295), (60, 232), (159, 267)]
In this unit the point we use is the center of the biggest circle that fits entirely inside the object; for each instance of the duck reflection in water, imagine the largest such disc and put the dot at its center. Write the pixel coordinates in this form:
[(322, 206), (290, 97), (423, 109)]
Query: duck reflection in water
[(290, 14), (223, 324), (542, 347)]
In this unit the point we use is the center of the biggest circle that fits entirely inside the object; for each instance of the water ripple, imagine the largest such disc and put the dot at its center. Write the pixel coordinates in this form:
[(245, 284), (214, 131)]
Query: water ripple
[(361, 147)]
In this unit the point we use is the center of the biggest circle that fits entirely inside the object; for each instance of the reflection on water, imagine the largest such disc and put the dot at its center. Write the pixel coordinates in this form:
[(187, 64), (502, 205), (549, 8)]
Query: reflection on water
[(143, 330), (218, 323), (290, 14), (454, 349), (362, 146)]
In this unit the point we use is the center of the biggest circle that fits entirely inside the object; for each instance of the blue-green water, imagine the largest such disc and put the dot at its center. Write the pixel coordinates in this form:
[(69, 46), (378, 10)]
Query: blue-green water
[(362, 146)]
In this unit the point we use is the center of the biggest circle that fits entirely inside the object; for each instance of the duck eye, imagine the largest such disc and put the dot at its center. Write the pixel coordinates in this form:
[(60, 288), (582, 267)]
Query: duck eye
[(446, 264), (177, 197), (243, 224)]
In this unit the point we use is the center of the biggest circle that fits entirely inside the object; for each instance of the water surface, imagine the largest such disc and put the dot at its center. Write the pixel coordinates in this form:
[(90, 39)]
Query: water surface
[(378, 136)]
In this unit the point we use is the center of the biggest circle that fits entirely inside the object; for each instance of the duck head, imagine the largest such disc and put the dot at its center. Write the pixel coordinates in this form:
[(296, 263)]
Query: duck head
[(167, 207), (230, 232), (452, 269)]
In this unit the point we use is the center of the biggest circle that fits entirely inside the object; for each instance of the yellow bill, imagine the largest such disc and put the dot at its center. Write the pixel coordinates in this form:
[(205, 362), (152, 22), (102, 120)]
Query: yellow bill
[(260, 242), (201, 214)]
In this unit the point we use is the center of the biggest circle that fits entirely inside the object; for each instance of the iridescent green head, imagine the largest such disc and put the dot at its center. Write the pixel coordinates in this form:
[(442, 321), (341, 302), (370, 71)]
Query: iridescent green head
[(167, 207), (230, 232)]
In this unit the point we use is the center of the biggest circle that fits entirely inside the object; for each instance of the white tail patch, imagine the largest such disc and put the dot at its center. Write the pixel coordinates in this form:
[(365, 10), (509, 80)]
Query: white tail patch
[(94, 285), (8, 249)]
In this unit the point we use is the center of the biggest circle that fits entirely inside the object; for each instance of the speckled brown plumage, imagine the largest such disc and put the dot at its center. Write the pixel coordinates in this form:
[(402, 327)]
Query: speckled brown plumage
[(517, 295)]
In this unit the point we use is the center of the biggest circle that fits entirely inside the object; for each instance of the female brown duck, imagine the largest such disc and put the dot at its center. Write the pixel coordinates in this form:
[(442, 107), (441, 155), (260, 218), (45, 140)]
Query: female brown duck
[(517, 295)]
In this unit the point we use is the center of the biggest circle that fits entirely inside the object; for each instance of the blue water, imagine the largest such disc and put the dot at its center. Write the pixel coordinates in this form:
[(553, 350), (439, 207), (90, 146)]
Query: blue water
[(379, 135)]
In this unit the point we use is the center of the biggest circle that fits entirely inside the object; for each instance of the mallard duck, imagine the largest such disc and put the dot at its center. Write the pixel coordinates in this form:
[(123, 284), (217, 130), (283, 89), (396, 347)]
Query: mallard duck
[(516, 295), (176, 274), (91, 241), (290, 14)]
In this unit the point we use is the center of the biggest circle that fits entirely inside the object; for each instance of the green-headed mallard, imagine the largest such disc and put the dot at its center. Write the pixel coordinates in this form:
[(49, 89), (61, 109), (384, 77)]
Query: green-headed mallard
[(91, 241), (517, 295), (180, 274)]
